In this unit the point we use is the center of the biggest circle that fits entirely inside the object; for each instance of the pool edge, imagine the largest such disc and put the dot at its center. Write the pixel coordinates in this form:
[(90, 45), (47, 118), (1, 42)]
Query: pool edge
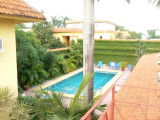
[(101, 92)]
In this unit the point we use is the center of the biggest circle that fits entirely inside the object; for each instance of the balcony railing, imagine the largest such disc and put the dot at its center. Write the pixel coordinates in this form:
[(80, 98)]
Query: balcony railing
[(109, 112)]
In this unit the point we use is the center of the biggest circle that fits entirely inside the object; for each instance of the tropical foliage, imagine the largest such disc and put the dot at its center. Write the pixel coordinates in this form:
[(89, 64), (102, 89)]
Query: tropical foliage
[(55, 106), (152, 34), (44, 33), (6, 100), (36, 66), (132, 34), (30, 56), (20, 111), (59, 22)]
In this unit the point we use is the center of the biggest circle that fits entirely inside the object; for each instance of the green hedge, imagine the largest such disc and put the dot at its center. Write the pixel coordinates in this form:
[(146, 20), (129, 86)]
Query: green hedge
[(118, 50)]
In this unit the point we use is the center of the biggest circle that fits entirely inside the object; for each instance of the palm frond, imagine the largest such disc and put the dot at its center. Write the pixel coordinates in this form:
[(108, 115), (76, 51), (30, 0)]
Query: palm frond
[(21, 112), (6, 99), (83, 84), (155, 2)]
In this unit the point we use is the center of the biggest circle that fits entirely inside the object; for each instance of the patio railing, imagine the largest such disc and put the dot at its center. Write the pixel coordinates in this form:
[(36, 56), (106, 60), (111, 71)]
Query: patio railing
[(109, 112)]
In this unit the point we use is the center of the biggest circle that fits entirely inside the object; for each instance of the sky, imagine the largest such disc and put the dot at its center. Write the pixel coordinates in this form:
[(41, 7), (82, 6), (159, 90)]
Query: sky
[(138, 16)]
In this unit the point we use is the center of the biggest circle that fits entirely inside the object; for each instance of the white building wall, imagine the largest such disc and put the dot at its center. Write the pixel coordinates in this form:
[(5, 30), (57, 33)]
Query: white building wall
[(104, 26), (78, 25), (103, 35), (98, 26)]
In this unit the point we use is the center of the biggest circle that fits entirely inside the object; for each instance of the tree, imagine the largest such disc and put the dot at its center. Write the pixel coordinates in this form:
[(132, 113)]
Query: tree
[(120, 28), (21, 26), (44, 33), (59, 22), (152, 34), (29, 59), (88, 46), (119, 35), (135, 35), (56, 22), (64, 19)]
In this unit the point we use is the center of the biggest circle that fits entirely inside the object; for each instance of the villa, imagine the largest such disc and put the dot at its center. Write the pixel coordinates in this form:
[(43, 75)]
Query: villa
[(9, 16), (135, 97), (104, 29)]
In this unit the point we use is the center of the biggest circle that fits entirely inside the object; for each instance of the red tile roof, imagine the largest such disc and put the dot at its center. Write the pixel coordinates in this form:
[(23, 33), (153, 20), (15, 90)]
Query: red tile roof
[(145, 74), (19, 8), (70, 30)]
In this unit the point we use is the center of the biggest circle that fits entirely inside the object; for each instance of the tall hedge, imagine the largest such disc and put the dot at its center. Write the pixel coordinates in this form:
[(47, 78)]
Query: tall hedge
[(118, 50)]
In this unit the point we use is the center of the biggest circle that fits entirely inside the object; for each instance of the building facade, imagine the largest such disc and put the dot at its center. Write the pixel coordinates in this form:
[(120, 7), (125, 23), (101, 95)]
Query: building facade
[(9, 16), (104, 29)]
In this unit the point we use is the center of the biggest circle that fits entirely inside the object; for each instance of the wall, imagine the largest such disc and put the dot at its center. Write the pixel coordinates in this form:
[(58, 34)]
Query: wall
[(72, 36), (8, 66), (104, 26), (120, 50), (75, 36), (98, 26)]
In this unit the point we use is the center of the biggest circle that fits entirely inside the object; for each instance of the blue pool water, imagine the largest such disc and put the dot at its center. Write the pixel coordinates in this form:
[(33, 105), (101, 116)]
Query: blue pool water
[(71, 84)]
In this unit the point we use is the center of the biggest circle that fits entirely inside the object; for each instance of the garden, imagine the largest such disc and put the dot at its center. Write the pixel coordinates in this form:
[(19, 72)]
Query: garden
[(122, 50), (36, 66)]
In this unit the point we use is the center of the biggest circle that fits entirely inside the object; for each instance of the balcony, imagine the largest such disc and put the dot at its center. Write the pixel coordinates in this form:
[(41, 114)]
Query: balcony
[(138, 98), (114, 110)]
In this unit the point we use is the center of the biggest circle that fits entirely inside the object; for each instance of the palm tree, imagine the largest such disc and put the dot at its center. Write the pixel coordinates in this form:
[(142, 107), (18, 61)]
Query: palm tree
[(56, 22), (88, 46), (58, 109), (64, 19)]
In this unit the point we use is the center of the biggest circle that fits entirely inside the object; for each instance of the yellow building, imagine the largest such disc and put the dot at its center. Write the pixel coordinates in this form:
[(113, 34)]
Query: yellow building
[(104, 29), (12, 12)]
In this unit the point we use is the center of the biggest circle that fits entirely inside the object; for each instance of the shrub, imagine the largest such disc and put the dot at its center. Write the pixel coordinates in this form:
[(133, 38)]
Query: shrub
[(120, 50), (33, 62)]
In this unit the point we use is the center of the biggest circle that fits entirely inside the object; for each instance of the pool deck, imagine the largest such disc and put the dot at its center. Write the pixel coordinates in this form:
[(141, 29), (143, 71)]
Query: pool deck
[(107, 100)]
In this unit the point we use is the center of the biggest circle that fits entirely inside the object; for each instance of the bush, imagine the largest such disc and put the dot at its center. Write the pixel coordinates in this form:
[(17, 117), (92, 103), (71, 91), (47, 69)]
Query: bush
[(120, 50), (33, 62), (44, 33), (35, 65)]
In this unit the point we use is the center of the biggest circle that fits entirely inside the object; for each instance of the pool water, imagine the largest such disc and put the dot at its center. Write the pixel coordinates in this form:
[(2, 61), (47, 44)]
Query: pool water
[(71, 84)]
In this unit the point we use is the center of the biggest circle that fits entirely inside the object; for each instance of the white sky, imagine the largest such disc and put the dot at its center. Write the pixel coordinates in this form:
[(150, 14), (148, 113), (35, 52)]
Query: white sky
[(138, 15)]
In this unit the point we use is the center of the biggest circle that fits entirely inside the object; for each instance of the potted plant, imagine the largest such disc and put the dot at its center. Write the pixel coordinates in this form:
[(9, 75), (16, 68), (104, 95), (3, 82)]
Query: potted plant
[(123, 64), (26, 87)]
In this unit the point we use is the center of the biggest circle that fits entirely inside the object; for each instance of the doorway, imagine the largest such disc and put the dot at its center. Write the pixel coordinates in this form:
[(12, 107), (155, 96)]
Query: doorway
[(68, 40)]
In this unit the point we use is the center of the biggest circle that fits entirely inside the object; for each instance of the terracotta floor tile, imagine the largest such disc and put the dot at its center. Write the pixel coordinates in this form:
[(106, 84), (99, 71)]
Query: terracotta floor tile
[(144, 75)]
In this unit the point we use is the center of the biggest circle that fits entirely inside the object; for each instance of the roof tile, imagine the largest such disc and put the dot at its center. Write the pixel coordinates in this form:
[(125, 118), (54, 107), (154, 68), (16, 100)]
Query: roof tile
[(19, 8)]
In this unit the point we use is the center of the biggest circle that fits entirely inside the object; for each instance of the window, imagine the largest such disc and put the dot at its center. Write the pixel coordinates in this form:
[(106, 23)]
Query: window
[(159, 77), (1, 45)]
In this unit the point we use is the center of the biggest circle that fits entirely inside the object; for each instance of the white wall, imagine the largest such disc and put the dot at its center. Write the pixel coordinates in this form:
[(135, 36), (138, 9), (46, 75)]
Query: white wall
[(98, 26)]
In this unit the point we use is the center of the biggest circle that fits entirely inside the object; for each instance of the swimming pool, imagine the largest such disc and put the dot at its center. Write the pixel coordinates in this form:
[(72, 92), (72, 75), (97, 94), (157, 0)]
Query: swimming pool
[(70, 85)]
